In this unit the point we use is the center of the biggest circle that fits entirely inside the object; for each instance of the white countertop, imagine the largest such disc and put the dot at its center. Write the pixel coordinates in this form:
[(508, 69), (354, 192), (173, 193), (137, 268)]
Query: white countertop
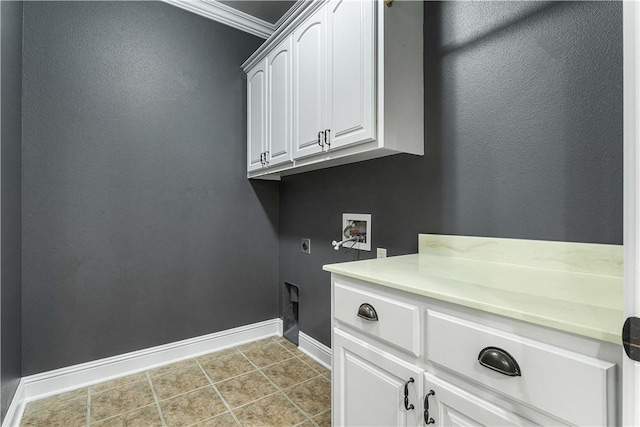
[(582, 303)]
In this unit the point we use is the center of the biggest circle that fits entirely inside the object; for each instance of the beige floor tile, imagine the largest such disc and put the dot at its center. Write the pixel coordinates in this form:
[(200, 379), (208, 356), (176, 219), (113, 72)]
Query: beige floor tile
[(224, 420), (268, 354), (205, 358), (147, 416), (245, 388), (289, 373), (313, 364), (163, 370), (121, 399), (275, 410), (313, 396), (188, 399), (97, 388), (192, 407), (288, 345), (179, 382), (54, 412), (324, 419), (57, 399), (227, 367)]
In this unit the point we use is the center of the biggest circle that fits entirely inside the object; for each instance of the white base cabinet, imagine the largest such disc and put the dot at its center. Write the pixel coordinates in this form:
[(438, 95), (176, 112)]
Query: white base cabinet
[(460, 366), (447, 405), (356, 85), (370, 385)]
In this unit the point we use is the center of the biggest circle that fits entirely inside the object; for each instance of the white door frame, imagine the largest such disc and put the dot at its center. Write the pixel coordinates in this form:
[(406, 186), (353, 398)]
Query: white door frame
[(631, 240), (0, 210)]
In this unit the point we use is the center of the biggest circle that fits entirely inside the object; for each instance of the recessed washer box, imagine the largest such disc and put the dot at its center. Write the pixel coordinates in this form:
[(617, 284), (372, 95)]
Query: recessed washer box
[(359, 225)]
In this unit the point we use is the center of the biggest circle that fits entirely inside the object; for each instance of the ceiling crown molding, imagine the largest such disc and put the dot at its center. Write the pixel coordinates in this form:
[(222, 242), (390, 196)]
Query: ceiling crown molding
[(217, 11)]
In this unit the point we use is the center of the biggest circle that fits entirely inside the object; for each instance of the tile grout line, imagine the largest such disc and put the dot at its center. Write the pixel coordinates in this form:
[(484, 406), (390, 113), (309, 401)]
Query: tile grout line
[(226, 404), (88, 406), (280, 390), (155, 399)]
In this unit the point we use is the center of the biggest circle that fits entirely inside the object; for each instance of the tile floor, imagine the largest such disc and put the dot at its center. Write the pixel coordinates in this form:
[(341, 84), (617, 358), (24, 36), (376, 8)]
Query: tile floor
[(262, 383)]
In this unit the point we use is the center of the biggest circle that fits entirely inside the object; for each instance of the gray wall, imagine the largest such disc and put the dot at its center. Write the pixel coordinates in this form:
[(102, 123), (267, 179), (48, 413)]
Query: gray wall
[(523, 131), (10, 191), (140, 227)]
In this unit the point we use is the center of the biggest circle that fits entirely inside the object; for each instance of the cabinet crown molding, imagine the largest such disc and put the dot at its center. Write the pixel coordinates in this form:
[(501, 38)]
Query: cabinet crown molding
[(285, 26), (224, 14)]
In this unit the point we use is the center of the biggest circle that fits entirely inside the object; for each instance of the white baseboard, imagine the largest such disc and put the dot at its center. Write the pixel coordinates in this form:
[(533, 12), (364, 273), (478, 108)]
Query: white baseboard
[(315, 349), (77, 376), (73, 377), (16, 408)]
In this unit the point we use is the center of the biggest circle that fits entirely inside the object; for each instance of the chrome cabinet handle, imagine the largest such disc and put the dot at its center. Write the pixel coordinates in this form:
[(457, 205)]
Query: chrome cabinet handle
[(266, 158), (327, 134), (499, 360), (262, 159), (427, 419), (319, 139), (367, 312), (407, 406)]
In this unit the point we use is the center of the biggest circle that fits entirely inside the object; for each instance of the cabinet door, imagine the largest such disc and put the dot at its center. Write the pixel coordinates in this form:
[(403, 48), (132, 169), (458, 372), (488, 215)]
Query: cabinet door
[(279, 99), (309, 84), (352, 99), (256, 116), (368, 385), (450, 406)]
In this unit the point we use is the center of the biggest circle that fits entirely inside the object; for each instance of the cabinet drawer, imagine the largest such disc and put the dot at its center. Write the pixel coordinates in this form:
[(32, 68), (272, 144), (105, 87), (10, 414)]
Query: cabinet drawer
[(564, 384), (397, 323)]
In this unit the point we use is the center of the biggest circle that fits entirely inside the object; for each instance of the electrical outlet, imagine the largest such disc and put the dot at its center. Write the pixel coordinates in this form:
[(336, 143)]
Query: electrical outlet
[(381, 252), (305, 246)]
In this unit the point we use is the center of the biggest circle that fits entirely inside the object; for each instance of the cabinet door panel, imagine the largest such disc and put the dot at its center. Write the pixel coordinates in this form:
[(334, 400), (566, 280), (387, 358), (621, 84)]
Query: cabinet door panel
[(352, 69), (451, 406), (310, 84), (256, 116), (369, 384), (279, 101)]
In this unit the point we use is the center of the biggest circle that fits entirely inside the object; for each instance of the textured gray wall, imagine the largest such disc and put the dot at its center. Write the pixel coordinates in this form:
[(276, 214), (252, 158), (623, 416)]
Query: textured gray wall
[(140, 227), (10, 190), (523, 137)]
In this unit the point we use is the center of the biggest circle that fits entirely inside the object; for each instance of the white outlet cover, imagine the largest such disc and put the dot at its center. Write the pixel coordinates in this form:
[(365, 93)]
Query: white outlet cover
[(346, 219)]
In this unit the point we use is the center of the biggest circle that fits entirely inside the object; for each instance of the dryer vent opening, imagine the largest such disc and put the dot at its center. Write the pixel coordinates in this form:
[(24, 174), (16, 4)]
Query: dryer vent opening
[(291, 297)]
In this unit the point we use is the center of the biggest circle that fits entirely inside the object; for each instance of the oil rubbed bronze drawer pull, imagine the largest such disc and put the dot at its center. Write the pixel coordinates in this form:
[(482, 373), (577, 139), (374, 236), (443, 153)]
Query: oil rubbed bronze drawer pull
[(427, 419), (367, 312), (407, 405), (499, 360)]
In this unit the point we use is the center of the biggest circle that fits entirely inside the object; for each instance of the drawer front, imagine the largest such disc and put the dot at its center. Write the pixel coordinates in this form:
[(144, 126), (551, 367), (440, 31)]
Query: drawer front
[(398, 322), (564, 384)]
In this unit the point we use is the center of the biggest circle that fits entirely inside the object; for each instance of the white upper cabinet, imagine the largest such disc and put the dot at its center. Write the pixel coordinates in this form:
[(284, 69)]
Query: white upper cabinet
[(352, 86), (256, 117), (269, 114), (279, 100), (356, 83), (310, 85)]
